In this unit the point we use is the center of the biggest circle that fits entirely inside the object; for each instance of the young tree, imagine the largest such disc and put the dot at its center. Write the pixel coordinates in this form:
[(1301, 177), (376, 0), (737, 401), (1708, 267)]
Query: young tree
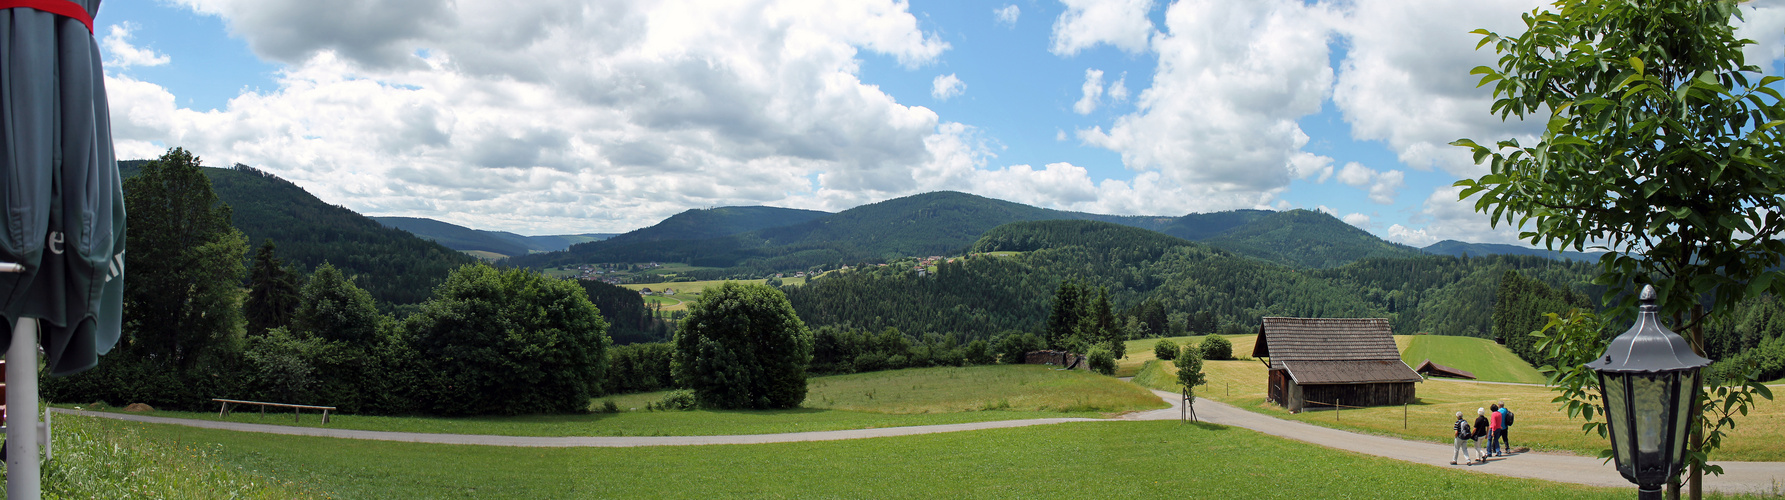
[(1189, 363), (272, 292), (1660, 147), (742, 347), (185, 263)]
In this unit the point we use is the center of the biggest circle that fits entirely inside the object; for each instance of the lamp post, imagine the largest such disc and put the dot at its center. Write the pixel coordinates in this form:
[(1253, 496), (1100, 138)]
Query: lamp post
[(1649, 376)]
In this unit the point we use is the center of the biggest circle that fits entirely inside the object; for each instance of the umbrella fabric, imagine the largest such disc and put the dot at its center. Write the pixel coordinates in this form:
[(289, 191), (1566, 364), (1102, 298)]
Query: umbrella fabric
[(63, 199)]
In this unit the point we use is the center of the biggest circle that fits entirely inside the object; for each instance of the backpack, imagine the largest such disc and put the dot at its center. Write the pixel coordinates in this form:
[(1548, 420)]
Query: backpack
[(1506, 417), (1462, 427)]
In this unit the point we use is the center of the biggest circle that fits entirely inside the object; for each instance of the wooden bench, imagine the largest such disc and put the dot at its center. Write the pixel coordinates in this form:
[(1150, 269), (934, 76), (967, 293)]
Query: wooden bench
[(296, 410)]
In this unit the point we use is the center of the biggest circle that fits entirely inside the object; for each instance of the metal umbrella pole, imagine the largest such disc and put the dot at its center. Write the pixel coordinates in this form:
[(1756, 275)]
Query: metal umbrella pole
[(22, 471)]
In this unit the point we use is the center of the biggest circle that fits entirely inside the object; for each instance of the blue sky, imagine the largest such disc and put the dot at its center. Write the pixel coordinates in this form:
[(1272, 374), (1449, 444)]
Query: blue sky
[(565, 116)]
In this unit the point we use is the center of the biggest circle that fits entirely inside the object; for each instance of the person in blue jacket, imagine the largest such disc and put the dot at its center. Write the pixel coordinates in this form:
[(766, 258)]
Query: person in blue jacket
[(1505, 425)]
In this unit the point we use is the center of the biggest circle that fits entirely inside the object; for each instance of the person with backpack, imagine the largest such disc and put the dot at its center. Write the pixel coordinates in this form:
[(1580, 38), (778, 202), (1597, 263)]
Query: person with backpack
[(1505, 425), (1481, 427), (1462, 444), (1493, 431)]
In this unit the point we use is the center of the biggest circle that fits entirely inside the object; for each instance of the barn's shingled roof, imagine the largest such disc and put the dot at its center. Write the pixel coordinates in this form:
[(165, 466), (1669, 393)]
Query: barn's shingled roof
[(1333, 350)]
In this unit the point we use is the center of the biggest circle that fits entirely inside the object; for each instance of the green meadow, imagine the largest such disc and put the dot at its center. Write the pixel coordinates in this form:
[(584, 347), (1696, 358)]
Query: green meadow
[(1489, 361), (918, 396), (1144, 459)]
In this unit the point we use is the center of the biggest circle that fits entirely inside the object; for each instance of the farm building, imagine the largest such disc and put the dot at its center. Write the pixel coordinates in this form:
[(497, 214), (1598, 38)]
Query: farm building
[(1430, 369), (1322, 362)]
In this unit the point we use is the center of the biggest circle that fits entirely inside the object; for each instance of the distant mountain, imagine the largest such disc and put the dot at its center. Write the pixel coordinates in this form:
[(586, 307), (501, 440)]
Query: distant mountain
[(463, 238), (948, 222), (395, 266), (924, 224), (1456, 248), (1299, 238), (700, 224)]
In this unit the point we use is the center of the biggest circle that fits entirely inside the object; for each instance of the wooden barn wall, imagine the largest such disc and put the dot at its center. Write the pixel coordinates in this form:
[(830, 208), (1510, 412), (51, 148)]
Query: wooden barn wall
[(1384, 394)]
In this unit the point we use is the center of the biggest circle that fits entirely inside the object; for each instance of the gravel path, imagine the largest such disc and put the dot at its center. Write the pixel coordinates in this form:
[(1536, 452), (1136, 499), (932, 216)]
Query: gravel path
[(1738, 477)]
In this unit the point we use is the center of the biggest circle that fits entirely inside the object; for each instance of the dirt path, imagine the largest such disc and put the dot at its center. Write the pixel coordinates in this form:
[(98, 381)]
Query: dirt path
[(1738, 477)]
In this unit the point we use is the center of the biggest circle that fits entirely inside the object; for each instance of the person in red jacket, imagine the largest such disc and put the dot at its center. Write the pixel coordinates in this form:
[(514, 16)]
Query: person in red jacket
[(1493, 431)]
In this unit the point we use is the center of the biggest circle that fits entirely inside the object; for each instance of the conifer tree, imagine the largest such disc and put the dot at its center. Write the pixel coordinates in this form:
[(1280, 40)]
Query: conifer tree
[(272, 292)]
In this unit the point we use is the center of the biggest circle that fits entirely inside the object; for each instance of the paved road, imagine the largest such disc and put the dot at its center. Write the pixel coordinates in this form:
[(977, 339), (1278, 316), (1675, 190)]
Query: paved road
[(1738, 477)]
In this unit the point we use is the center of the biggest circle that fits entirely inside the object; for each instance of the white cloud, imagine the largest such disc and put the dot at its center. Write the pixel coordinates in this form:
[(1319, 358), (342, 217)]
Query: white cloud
[(1416, 238), (121, 54), (566, 116), (1327, 210), (1006, 15), (1118, 92), (1444, 217), (1382, 185), (1086, 23), (1220, 118), (1405, 79), (946, 86), (1093, 90), (1357, 219)]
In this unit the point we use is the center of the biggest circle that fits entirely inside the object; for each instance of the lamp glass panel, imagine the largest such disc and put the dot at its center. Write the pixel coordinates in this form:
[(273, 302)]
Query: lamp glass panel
[(1690, 385), (1616, 417), (1649, 399)]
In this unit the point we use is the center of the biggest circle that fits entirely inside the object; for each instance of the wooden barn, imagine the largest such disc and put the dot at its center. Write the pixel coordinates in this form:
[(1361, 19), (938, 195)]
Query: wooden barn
[(1322, 362)]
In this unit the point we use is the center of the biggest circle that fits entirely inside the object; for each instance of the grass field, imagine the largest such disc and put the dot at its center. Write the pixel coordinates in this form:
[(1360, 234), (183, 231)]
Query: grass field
[(1488, 360), (919, 396), (688, 291), (485, 255), (1142, 459), (1539, 424), (101, 458)]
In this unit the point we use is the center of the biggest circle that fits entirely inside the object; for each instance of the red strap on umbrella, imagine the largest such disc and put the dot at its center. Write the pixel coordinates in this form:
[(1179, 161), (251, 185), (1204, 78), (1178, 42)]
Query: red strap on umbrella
[(62, 8)]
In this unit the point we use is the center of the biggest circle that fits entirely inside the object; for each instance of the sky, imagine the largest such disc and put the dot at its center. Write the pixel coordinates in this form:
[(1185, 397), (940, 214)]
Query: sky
[(576, 116)]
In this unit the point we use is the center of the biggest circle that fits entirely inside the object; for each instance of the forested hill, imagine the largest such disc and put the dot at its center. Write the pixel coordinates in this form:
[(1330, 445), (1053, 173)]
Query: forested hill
[(1456, 248), (1306, 238), (1175, 284), (463, 238), (395, 266), (700, 224)]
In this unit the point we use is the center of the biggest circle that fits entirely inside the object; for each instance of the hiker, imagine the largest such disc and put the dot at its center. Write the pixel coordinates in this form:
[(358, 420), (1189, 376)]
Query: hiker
[(1493, 431), (1505, 425), (1481, 424), (1462, 434)]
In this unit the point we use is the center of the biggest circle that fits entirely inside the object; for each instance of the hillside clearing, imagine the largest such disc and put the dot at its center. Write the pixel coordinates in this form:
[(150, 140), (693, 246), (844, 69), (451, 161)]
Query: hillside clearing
[(1488, 360)]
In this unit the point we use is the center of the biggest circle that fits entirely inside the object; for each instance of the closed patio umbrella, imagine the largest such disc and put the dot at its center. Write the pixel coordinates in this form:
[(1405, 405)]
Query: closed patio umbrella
[(63, 219)]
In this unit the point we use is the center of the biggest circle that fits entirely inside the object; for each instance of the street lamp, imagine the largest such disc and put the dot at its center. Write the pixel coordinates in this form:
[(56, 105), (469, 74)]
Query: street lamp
[(1649, 376)]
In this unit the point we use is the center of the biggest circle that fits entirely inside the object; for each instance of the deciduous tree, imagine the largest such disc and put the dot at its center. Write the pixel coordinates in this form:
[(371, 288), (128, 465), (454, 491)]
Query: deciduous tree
[(185, 263), (742, 347), (1662, 145)]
